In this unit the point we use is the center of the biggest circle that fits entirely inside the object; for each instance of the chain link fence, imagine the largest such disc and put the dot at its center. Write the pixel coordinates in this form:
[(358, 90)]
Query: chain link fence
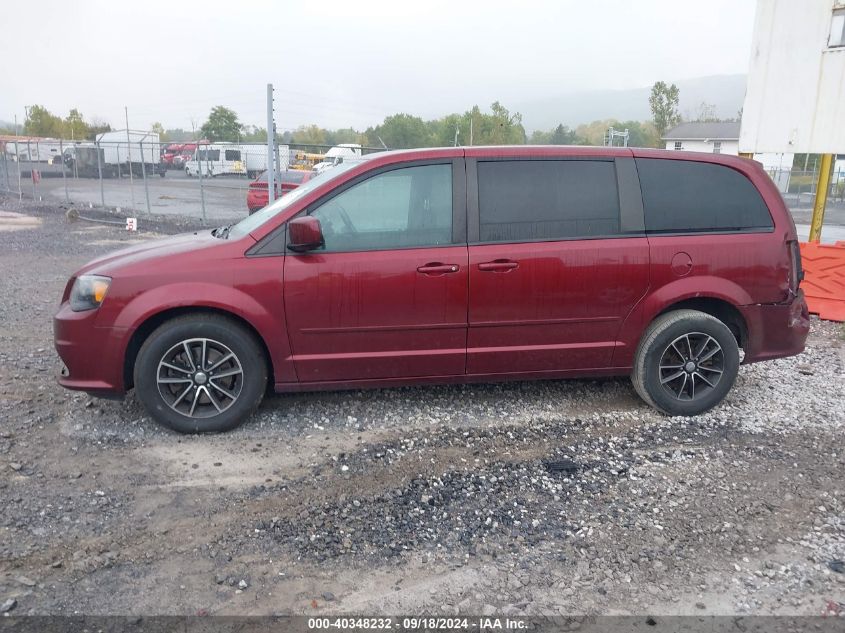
[(217, 182), (799, 185)]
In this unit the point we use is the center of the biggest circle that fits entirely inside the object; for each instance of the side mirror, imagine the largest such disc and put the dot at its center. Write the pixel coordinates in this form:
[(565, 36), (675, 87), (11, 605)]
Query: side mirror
[(305, 234)]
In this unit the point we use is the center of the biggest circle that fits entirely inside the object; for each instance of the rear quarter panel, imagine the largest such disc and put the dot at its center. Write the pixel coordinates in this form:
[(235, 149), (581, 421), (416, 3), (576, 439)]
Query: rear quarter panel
[(742, 269)]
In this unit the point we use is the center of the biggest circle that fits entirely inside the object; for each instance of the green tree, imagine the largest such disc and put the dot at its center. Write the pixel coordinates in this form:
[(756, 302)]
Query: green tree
[(158, 128), (222, 125), (40, 122), (309, 135), (254, 134), (539, 137), (345, 135), (178, 135), (74, 126), (401, 131), (442, 130), (97, 127), (502, 127), (562, 135), (640, 133), (664, 107), (593, 133)]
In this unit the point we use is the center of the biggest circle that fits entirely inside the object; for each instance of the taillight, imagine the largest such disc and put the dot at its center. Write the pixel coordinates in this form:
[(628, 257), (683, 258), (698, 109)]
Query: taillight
[(796, 274)]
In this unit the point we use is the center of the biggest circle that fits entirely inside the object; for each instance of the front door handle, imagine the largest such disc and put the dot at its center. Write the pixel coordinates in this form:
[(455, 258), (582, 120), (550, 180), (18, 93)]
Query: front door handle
[(498, 266), (436, 268)]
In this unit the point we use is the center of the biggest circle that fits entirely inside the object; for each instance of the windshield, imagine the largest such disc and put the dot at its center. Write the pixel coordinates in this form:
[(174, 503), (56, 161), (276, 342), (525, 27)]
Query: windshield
[(249, 224)]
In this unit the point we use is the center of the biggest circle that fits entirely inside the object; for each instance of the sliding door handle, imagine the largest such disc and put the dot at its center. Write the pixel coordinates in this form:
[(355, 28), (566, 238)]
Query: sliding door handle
[(498, 266)]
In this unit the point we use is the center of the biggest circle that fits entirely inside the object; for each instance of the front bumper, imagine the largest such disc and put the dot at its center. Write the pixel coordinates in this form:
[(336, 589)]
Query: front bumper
[(776, 330), (93, 356)]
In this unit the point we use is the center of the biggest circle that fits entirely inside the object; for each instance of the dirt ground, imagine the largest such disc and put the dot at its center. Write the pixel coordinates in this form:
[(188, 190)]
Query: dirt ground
[(527, 498)]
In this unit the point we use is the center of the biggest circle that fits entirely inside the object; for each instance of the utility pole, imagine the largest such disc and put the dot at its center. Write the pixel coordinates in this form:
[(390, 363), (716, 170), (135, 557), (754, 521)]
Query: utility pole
[(18, 158), (271, 140), (129, 155), (822, 186), (144, 171)]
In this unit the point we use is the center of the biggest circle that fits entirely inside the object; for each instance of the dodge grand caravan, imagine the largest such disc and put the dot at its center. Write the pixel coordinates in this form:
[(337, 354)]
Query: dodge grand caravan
[(448, 266)]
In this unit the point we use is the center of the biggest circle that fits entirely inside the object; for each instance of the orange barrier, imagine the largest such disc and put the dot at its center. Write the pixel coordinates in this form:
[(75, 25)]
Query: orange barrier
[(824, 279)]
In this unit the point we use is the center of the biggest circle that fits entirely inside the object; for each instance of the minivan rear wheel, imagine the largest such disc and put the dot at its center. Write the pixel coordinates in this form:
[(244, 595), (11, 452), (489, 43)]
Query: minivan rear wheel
[(686, 363), (200, 374)]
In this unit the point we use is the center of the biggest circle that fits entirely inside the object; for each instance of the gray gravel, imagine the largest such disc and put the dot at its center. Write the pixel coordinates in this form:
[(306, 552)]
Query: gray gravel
[(557, 497)]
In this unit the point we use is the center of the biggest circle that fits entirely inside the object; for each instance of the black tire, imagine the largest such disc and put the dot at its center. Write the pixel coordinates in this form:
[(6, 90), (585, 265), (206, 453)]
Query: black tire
[(663, 375), (158, 386)]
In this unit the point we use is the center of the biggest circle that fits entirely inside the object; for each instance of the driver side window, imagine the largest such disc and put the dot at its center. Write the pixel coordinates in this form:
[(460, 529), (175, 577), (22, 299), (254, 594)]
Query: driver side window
[(402, 208)]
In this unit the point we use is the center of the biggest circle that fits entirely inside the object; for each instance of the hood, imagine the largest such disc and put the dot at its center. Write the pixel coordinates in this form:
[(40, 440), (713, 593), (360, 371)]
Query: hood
[(153, 249)]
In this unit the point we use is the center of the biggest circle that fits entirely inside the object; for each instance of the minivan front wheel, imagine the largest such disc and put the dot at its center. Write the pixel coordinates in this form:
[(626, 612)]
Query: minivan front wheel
[(200, 374), (686, 363)]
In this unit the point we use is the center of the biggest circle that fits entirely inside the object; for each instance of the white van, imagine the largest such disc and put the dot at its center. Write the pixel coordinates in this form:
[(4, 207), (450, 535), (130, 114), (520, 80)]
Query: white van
[(337, 154), (216, 160)]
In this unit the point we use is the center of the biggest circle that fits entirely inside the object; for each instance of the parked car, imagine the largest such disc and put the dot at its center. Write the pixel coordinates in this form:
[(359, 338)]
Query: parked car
[(256, 195), (452, 265)]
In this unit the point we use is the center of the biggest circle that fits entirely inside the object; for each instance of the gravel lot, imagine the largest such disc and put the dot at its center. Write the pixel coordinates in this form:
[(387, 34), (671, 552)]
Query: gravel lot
[(566, 497)]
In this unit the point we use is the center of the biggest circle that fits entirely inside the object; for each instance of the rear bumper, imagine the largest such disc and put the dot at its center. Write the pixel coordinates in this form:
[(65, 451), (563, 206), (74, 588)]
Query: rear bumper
[(776, 330), (93, 356)]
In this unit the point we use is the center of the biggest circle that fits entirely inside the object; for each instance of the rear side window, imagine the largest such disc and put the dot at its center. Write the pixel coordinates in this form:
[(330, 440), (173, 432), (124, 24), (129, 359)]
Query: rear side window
[(686, 196), (525, 200), (232, 154)]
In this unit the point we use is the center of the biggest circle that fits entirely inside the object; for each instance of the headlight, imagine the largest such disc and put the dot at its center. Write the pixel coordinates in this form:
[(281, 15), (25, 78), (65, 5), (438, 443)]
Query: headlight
[(88, 292)]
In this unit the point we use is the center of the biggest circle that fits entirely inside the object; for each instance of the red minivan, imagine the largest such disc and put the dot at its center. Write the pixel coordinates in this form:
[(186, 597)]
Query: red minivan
[(450, 266)]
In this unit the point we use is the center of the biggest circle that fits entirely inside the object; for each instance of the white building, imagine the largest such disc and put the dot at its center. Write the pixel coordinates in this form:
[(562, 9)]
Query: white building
[(794, 101), (723, 138), (713, 138)]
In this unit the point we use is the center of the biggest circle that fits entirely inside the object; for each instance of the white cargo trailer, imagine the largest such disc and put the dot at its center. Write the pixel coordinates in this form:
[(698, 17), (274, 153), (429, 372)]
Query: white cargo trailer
[(135, 149)]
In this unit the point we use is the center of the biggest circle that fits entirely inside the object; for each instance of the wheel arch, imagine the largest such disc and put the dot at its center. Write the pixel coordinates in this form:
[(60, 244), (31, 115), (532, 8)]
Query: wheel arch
[(719, 308), (153, 321), (717, 297)]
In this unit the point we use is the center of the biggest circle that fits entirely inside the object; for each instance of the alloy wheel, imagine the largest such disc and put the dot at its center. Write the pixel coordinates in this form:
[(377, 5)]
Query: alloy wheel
[(691, 366), (199, 378)]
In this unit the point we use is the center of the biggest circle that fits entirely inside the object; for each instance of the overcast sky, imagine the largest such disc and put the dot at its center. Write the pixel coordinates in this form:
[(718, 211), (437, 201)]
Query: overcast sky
[(341, 63)]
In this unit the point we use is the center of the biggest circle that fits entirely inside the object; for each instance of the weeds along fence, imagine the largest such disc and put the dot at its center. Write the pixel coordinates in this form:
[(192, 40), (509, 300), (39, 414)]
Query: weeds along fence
[(199, 179)]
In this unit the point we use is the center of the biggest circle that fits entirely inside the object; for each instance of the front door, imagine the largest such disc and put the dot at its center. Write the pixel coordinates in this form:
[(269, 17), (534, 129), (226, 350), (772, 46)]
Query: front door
[(556, 263), (387, 295)]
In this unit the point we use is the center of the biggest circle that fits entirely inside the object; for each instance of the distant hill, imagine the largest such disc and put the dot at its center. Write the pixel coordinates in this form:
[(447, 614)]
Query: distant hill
[(725, 92)]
